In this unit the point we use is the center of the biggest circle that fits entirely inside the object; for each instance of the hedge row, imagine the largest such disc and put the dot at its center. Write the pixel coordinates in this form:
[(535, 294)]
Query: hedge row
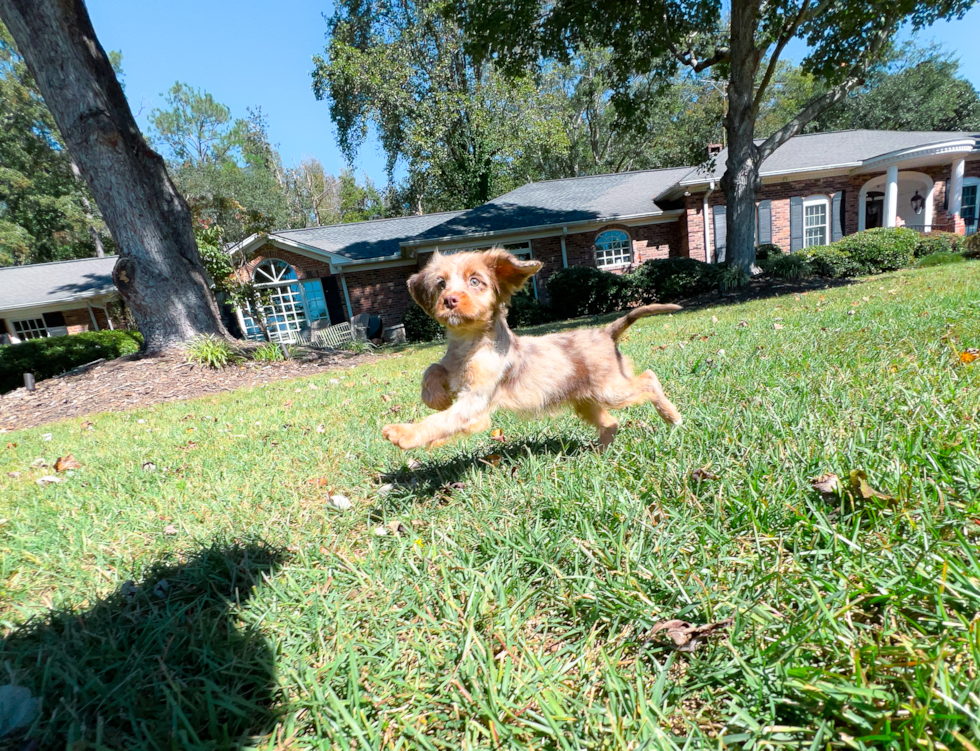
[(873, 251), (59, 354)]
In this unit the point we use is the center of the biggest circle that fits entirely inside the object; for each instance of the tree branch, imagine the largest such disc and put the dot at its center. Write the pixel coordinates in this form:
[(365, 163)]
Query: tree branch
[(721, 55), (785, 35), (855, 77)]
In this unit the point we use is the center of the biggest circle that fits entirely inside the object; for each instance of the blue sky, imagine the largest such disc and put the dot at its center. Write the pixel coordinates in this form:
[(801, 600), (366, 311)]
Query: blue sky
[(259, 53)]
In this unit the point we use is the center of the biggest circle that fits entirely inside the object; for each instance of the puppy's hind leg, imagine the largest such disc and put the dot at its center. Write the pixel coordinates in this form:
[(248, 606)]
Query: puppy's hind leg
[(597, 415), (659, 399)]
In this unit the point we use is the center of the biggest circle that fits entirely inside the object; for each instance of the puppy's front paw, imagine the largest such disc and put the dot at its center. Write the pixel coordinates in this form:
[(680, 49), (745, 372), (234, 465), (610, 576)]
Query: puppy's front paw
[(402, 435)]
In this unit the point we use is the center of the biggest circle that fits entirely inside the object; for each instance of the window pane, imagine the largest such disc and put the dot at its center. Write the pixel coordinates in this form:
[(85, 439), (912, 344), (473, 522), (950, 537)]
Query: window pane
[(815, 224), (30, 328), (613, 248), (316, 304)]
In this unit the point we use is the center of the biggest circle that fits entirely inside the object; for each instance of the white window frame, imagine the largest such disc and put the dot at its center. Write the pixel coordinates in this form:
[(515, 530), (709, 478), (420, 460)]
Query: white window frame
[(809, 202), (29, 328), (618, 259), (283, 302), (972, 182)]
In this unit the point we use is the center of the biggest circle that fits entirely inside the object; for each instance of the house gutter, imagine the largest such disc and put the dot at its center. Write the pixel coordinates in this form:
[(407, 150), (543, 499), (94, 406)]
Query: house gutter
[(708, 250), (564, 252)]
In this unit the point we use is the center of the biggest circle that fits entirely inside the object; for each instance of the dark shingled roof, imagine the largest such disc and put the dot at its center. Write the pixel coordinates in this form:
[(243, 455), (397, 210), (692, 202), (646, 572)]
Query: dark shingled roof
[(361, 241), (841, 148), (558, 202), (62, 281)]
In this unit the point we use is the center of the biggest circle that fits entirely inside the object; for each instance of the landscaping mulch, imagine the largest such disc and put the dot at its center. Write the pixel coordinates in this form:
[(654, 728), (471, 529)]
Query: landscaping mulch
[(141, 380)]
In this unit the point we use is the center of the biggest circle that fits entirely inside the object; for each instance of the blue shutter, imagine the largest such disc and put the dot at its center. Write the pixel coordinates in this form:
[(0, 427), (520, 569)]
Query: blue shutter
[(837, 217), (720, 233), (795, 224), (763, 225)]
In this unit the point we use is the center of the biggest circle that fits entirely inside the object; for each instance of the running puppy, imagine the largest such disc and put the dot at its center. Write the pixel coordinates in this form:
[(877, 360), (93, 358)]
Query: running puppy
[(487, 367)]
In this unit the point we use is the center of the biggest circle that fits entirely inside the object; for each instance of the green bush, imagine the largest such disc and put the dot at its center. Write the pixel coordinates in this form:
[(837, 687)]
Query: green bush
[(211, 351), (525, 310), (59, 354), (937, 242), (940, 259), (669, 279), (971, 246), (768, 251), (882, 249), (791, 268), (581, 290), (419, 327), (831, 261)]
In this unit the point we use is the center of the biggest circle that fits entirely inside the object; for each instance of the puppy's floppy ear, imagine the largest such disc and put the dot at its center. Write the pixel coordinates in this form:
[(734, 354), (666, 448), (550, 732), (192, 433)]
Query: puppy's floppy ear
[(511, 271), (420, 291)]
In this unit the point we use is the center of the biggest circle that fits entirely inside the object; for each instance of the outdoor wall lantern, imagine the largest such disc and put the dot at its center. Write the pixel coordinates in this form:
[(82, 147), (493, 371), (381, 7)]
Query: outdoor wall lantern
[(918, 203)]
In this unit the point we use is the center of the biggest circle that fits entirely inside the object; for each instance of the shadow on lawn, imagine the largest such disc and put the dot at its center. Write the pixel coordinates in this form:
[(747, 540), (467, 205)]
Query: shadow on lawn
[(437, 478), (165, 665)]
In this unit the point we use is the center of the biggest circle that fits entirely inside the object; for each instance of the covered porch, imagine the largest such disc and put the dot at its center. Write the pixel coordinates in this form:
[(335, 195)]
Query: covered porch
[(929, 188)]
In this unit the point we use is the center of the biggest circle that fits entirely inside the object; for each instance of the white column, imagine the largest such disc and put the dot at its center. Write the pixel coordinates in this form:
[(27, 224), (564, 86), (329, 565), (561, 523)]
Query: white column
[(956, 187), (891, 196)]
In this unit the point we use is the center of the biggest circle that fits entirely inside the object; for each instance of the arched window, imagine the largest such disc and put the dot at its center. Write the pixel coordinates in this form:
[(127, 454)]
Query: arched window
[(289, 306), (816, 221), (273, 271), (613, 248)]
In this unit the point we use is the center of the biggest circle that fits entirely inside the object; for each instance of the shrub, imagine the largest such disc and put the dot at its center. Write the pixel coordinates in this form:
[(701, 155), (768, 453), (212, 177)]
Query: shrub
[(971, 246), (792, 267), (732, 278), (768, 251), (419, 327), (270, 352), (582, 290), (669, 279), (937, 242), (882, 249), (525, 310), (831, 261), (211, 351), (940, 259), (55, 355)]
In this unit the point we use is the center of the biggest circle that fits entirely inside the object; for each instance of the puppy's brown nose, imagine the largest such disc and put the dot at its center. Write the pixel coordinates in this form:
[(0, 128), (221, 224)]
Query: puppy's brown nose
[(450, 301)]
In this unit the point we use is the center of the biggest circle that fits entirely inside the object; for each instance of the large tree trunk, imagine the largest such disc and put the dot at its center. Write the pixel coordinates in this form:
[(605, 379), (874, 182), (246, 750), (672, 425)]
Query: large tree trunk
[(159, 271), (741, 179)]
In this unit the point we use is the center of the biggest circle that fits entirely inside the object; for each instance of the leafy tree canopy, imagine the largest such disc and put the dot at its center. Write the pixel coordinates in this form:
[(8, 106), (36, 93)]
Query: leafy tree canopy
[(46, 212)]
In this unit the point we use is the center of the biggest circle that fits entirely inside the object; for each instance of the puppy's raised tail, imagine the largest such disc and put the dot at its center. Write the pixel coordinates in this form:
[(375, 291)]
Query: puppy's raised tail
[(617, 327)]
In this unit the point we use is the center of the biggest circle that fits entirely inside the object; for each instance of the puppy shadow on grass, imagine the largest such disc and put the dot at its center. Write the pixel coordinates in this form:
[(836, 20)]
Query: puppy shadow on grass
[(160, 663), (435, 479)]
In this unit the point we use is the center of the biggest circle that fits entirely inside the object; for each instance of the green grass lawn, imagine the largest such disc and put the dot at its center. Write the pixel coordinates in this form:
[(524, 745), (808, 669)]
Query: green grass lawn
[(190, 583)]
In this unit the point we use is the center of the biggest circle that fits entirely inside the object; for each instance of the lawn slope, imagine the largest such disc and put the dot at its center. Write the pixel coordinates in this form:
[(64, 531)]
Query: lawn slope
[(191, 584)]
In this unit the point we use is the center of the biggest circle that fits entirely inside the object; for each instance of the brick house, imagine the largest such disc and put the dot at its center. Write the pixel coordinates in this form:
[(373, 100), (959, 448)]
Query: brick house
[(815, 189), (53, 299)]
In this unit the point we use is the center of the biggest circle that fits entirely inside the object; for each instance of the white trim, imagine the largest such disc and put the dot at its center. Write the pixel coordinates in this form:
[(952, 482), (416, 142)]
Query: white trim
[(544, 230), (628, 245), (957, 170), (957, 146), (709, 251), (91, 314), (343, 283), (259, 239), (564, 251), (353, 268), (827, 203), (56, 305)]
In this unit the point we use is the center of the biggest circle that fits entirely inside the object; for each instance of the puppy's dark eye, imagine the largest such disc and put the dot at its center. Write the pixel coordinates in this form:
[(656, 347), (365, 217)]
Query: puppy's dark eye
[(475, 282), (441, 284)]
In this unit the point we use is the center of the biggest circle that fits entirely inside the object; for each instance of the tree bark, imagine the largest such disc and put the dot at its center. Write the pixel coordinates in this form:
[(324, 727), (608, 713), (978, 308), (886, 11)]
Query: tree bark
[(159, 271), (741, 179)]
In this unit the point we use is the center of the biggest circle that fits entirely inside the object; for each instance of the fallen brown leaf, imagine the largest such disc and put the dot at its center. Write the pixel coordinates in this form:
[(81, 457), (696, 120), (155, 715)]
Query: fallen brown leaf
[(687, 636), (497, 435), (67, 462), (969, 355), (170, 529), (317, 482), (861, 489), (397, 528), (11, 445), (702, 473), (492, 459), (827, 484)]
